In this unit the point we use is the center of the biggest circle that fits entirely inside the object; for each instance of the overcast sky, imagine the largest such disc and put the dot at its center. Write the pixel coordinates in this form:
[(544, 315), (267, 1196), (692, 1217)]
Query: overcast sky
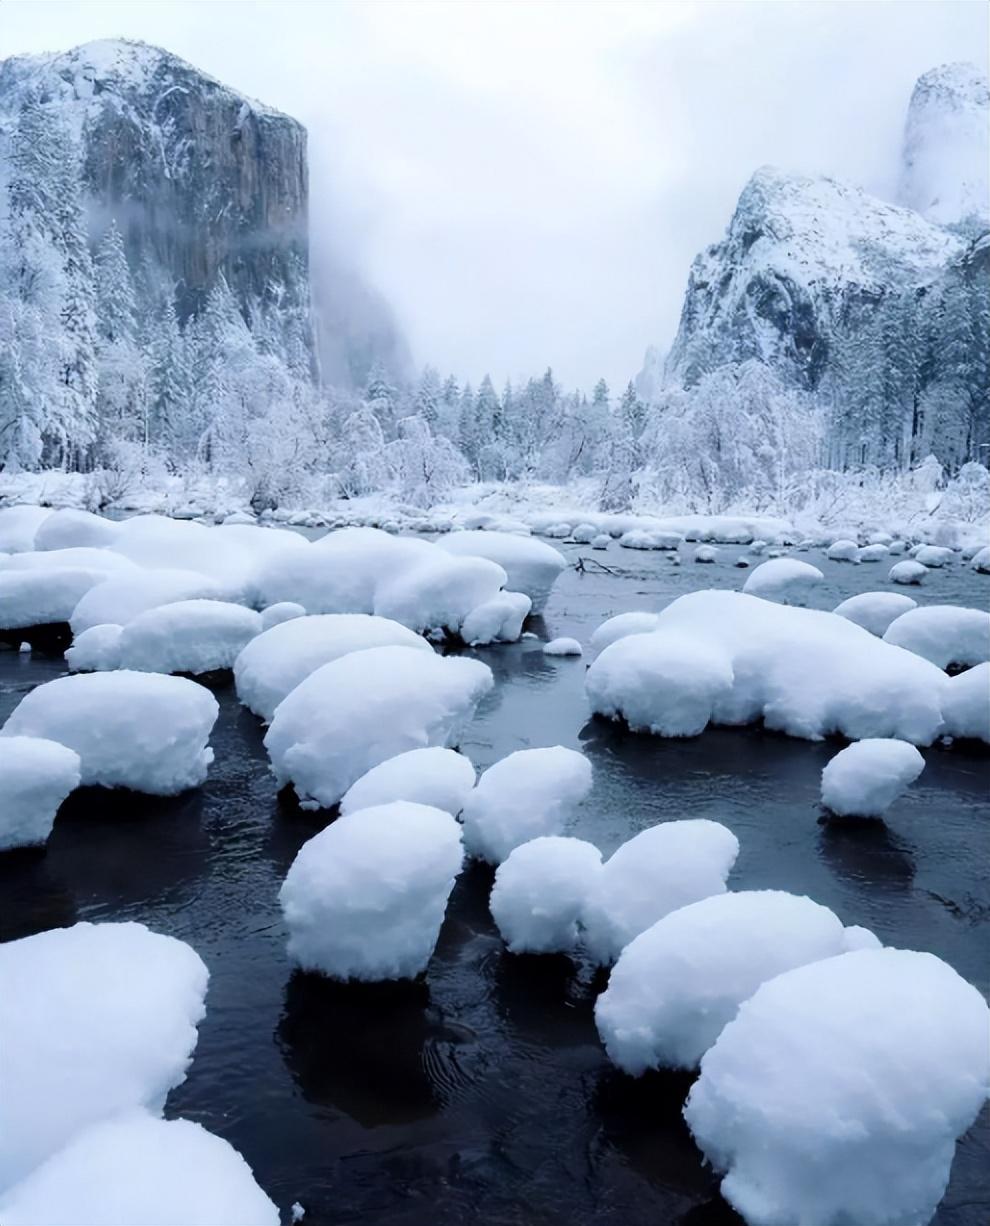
[(527, 182)]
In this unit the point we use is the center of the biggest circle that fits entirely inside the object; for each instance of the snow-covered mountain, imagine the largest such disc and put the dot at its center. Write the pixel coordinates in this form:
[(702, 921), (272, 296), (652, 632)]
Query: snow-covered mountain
[(946, 157)]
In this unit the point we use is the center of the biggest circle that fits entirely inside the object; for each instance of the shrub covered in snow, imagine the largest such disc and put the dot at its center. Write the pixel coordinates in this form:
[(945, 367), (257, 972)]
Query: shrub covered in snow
[(615, 628), (907, 573), (657, 871), (966, 704), (189, 636), (539, 892), (944, 634), (365, 898), (838, 1091), (680, 981), (432, 776), (562, 647), (130, 730), (865, 778), (730, 658), (274, 663), (786, 580), (365, 707), (135, 1170), (874, 611), (94, 1020), (35, 777), (527, 794), (531, 566)]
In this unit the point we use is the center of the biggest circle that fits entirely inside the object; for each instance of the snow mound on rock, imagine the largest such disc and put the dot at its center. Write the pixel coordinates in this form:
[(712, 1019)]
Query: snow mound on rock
[(120, 598), (933, 556), (804, 672), (980, 561), (40, 597), (19, 526), (68, 528), (284, 611), (365, 707), (94, 1019), (562, 647), (36, 775), (621, 625), (843, 551), (72, 557), (943, 634), (786, 580), (155, 542), (865, 778), (874, 611), (641, 538), (966, 704), (438, 592), (525, 795), (189, 636), (433, 776), (499, 620), (531, 566), (657, 871), (273, 664), (678, 983), (838, 1091), (131, 730), (95, 650), (539, 892), (365, 898), (907, 573), (136, 1170)]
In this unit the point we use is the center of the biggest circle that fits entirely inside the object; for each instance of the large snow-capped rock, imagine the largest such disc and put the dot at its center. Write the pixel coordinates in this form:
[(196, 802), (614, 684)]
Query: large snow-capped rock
[(800, 255), (946, 157)]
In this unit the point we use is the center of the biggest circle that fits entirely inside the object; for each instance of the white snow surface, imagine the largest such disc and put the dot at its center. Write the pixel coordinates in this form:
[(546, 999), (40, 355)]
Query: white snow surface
[(539, 892), (73, 557), (935, 556), (907, 573), (786, 580), (499, 620), (273, 664), (677, 984), (655, 872), (524, 795), (365, 707), (943, 634), (276, 614), (37, 597), (95, 650), (843, 551), (838, 1091), (439, 591), (731, 658), (966, 704), (135, 1170), (874, 611), (68, 528), (980, 561), (94, 1019), (433, 776), (622, 624), (188, 636), (365, 898), (132, 730), (642, 538), (121, 597), (19, 526), (36, 775), (865, 778), (562, 647), (216, 554), (530, 566)]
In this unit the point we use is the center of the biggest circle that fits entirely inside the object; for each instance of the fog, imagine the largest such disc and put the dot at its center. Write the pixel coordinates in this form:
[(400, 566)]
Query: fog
[(526, 184)]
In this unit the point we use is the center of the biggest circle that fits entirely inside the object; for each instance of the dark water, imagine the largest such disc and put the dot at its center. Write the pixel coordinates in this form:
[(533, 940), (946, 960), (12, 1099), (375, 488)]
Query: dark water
[(482, 1093)]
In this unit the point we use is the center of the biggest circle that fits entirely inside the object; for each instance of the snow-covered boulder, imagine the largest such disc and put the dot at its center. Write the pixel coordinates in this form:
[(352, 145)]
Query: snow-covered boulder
[(898, 547), (155, 542), (874, 553), (94, 1019), (865, 778), (557, 531), (531, 566), (41, 597), (677, 984), (739, 659), (438, 592), (843, 551), (36, 775), (839, 1089), (19, 526), (602, 541), (527, 794), (499, 620), (131, 730), (365, 707), (72, 557), (642, 538), (273, 664), (786, 580), (944, 634), (706, 554), (980, 561), (68, 528), (189, 636), (562, 647), (95, 650), (365, 898), (966, 704), (135, 1170), (669, 685), (121, 597), (622, 624), (284, 611), (933, 556), (539, 892), (874, 611), (584, 534), (433, 776), (907, 573), (657, 871)]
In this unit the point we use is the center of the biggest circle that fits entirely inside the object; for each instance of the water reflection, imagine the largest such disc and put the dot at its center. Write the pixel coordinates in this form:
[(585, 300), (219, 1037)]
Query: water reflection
[(865, 852)]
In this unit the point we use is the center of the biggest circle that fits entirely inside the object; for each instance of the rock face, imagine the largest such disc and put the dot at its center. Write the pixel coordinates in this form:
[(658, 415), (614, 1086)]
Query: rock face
[(946, 155), (801, 258), (201, 180)]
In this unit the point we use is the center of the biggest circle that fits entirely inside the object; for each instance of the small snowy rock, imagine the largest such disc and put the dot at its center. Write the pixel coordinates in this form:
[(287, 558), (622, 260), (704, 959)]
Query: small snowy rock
[(980, 561), (966, 704), (603, 540), (943, 634), (935, 556), (706, 553), (499, 620), (865, 778), (907, 573), (95, 650), (365, 898), (539, 892), (562, 647), (433, 776), (874, 553), (622, 624), (874, 611), (785, 580), (121, 597), (843, 551), (284, 611), (189, 636), (36, 775)]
